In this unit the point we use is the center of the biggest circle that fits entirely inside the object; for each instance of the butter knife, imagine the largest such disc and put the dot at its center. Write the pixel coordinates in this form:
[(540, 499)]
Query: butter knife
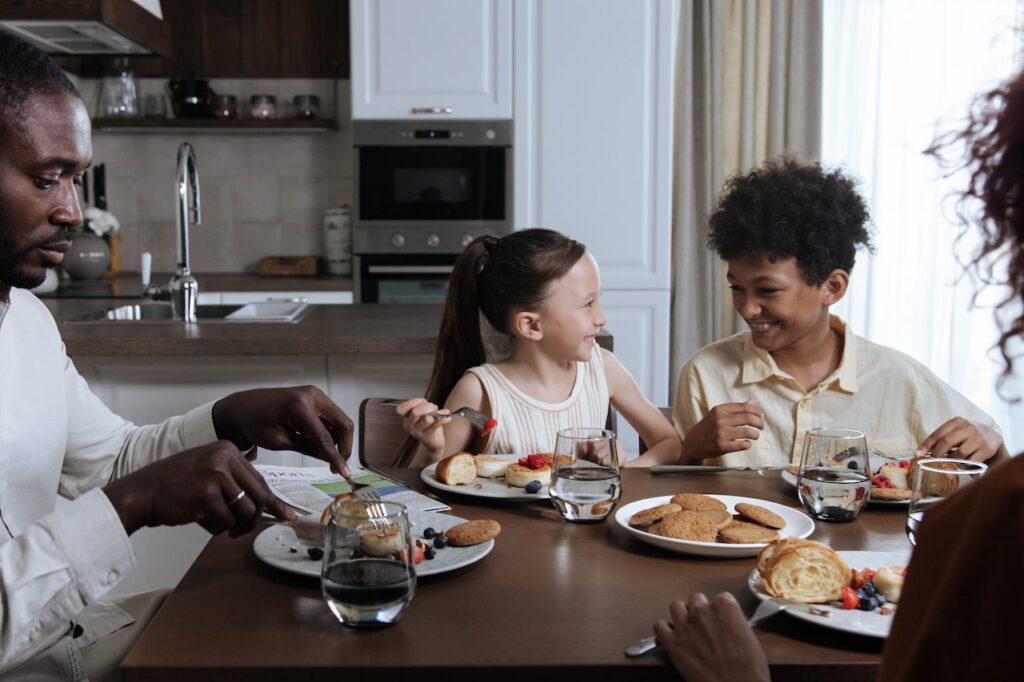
[(765, 609)]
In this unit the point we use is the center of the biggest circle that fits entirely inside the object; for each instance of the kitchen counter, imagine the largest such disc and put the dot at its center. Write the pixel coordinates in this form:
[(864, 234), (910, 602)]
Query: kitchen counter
[(128, 285), (328, 330)]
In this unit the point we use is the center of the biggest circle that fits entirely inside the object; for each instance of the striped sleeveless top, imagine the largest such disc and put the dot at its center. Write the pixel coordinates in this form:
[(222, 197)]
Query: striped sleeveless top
[(526, 425)]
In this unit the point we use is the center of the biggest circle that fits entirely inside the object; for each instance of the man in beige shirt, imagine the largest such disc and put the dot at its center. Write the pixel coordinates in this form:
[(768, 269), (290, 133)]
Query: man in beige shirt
[(789, 233)]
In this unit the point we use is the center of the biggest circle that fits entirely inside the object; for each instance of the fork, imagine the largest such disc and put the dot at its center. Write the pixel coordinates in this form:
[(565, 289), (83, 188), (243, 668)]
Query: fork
[(369, 494), (481, 420)]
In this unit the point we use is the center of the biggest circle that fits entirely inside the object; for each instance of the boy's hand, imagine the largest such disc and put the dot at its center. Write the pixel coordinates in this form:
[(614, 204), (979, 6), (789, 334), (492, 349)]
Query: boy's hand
[(726, 428), (711, 641), (419, 422), (973, 440)]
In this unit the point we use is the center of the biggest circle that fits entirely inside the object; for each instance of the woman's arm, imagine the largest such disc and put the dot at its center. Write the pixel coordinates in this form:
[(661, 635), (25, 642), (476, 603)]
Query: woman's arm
[(625, 395)]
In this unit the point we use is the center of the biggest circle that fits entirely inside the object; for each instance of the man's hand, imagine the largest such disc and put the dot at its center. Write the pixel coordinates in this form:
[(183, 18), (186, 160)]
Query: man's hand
[(972, 440), (204, 485), (726, 428), (711, 641), (302, 419)]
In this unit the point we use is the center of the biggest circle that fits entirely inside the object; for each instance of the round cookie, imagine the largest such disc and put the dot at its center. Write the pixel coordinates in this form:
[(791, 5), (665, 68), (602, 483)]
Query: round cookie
[(688, 525), (740, 533), (719, 517), (646, 517), (697, 502), (760, 515), (472, 532)]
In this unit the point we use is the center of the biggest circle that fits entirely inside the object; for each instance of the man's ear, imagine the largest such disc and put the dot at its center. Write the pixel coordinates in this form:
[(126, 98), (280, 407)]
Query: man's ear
[(527, 325), (834, 287)]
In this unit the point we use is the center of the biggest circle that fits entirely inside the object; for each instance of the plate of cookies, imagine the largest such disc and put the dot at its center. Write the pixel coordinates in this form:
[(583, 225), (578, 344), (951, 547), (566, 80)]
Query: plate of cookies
[(850, 591), (507, 477), (712, 525), (464, 542)]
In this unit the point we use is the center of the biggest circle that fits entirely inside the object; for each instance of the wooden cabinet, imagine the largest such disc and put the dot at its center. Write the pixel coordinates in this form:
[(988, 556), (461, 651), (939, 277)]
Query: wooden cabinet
[(431, 59), (246, 39)]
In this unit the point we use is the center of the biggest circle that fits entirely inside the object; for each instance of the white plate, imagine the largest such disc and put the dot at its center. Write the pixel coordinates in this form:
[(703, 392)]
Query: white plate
[(484, 487), (875, 463), (870, 623), (798, 525), (273, 546)]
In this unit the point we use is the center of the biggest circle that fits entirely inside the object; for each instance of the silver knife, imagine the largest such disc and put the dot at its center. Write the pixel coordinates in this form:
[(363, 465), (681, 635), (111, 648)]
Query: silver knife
[(713, 469), (765, 609)]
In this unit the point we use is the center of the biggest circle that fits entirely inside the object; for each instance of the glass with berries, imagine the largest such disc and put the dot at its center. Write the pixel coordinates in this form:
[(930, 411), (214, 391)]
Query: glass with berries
[(834, 481), (368, 576), (585, 482), (935, 479)]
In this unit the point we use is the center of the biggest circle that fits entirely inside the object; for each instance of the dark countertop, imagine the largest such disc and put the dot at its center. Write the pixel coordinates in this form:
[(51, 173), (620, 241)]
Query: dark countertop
[(128, 285), (361, 329)]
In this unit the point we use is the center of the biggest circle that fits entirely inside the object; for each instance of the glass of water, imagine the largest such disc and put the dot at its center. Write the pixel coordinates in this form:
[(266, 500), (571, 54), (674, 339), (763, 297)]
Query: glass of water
[(585, 485), (368, 576), (834, 483), (935, 480)]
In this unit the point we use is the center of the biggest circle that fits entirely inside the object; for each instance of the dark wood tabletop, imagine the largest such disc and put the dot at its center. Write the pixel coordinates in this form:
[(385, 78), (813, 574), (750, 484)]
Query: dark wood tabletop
[(552, 599)]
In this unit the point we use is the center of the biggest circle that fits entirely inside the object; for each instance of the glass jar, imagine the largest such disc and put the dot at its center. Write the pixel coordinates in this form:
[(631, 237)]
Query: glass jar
[(224, 106), (263, 106), (118, 92), (306, 106)]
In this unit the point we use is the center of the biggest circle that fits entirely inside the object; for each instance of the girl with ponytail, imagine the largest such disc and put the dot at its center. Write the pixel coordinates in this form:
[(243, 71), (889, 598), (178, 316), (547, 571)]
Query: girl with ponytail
[(538, 291)]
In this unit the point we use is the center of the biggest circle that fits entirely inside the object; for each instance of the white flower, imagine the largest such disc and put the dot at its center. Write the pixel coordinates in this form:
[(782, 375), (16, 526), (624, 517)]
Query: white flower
[(101, 222)]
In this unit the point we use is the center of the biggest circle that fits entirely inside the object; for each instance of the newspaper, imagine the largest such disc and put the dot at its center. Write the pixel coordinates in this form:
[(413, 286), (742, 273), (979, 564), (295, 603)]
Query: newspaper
[(311, 489)]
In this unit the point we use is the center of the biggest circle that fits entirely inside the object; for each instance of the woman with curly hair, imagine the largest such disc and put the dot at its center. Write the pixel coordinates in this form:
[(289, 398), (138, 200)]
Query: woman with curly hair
[(789, 233)]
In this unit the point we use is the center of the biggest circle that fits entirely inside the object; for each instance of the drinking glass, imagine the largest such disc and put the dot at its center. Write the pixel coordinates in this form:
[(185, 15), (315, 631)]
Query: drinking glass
[(585, 484), (368, 576), (935, 480), (834, 482)]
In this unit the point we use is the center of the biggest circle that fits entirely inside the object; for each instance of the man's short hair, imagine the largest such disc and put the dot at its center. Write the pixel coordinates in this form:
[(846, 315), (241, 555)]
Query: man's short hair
[(25, 70), (787, 209)]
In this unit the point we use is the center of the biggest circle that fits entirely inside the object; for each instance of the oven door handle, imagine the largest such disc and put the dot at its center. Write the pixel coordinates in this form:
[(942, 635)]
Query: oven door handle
[(409, 269)]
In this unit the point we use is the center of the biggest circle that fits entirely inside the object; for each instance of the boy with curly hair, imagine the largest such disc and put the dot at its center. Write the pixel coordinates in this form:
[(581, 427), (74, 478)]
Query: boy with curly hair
[(789, 234)]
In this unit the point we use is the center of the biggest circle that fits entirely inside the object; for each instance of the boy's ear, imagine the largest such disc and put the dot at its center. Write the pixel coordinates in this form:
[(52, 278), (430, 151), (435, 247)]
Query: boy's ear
[(834, 287), (527, 325)]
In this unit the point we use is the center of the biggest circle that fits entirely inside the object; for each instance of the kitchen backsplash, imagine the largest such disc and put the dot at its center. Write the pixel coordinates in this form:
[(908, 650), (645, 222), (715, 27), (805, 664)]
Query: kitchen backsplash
[(262, 193)]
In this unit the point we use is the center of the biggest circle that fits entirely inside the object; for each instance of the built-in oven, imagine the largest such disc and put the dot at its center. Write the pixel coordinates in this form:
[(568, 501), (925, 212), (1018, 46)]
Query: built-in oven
[(422, 192)]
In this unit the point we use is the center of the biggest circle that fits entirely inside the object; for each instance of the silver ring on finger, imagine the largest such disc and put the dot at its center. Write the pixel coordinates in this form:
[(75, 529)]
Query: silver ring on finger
[(236, 499)]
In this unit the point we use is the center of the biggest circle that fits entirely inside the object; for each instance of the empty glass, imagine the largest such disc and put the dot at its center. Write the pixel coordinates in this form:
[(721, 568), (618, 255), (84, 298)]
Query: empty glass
[(834, 482), (368, 577), (585, 484), (935, 480)]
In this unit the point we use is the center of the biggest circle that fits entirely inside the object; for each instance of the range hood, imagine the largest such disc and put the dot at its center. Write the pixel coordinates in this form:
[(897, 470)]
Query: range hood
[(84, 27)]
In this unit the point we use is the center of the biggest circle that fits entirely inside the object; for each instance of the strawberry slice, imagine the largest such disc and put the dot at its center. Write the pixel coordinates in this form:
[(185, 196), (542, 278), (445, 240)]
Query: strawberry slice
[(850, 598), (488, 427), (534, 462)]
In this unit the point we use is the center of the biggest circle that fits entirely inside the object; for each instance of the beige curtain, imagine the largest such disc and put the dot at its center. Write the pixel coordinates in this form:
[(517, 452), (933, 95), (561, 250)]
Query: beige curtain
[(748, 87)]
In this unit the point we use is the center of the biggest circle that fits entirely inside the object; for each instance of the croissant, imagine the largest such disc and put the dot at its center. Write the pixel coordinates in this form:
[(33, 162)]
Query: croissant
[(807, 572), (457, 469)]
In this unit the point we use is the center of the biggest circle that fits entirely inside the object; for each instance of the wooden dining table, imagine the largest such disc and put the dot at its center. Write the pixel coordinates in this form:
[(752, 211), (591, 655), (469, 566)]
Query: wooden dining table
[(552, 600)]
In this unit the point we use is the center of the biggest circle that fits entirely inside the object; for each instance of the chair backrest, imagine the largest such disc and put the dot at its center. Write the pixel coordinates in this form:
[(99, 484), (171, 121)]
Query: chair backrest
[(381, 435), (667, 411)]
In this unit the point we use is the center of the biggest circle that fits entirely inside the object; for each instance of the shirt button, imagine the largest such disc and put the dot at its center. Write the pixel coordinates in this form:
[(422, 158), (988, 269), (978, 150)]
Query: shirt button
[(112, 577)]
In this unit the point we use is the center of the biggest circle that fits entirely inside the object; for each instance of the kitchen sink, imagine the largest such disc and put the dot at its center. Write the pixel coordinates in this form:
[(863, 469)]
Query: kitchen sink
[(269, 311)]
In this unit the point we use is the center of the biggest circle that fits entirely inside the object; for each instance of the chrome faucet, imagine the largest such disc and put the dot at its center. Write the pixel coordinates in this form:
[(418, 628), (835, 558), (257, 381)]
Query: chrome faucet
[(183, 286)]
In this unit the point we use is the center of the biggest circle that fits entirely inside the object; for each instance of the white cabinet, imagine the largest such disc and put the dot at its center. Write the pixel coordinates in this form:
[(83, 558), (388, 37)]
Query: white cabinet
[(431, 59), (639, 322)]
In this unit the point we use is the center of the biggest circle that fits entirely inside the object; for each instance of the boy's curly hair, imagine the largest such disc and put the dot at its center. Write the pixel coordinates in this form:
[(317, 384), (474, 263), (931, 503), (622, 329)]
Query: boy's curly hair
[(787, 209)]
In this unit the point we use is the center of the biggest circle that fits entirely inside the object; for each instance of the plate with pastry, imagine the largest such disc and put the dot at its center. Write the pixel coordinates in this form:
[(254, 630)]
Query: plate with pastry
[(891, 479), (444, 543), (507, 477), (712, 525), (854, 592)]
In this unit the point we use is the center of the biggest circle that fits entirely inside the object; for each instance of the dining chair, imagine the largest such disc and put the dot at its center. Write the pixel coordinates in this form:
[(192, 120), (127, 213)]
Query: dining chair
[(381, 435), (667, 411)]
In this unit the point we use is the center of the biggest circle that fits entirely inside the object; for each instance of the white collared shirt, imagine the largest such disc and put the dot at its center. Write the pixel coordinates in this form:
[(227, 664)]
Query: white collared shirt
[(894, 399), (57, 438)]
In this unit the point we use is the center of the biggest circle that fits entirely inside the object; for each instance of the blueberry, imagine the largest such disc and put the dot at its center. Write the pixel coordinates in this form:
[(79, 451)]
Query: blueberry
[(863, 594), (440, 542), (853, 464), (533, 487), (870, 589), (315, 553), (358, 553), (866, 604), (429, 533), (429, 553)]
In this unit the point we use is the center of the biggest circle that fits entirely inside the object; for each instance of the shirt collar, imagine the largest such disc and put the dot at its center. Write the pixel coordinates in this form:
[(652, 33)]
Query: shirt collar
[(759, 365)]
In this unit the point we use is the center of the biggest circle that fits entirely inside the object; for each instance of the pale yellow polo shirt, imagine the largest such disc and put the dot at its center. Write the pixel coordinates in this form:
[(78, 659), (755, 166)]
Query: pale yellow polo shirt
[(894, 399)]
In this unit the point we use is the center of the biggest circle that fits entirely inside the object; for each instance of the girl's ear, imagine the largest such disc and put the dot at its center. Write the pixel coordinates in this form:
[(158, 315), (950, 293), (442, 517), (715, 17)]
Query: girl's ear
[(835, 286), (527, 325)]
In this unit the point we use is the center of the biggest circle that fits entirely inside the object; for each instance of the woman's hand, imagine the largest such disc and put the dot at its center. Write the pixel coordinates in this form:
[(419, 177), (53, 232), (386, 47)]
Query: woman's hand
[(419, 421)]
